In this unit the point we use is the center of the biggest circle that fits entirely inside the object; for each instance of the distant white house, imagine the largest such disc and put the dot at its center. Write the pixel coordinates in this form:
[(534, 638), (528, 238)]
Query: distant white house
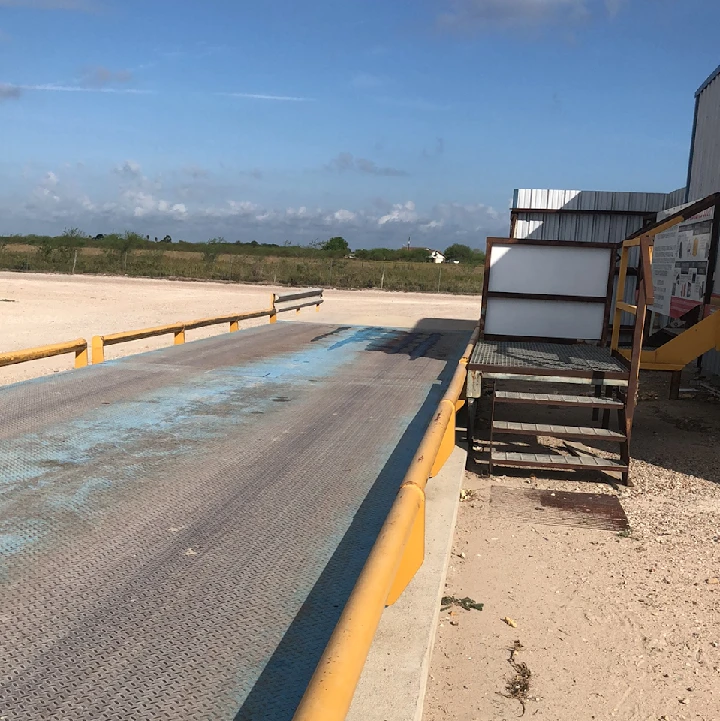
[(435, 256)]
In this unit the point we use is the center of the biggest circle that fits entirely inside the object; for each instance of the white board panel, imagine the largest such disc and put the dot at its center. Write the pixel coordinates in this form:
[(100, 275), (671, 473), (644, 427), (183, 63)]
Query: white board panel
[(544, 318), (549, 269)]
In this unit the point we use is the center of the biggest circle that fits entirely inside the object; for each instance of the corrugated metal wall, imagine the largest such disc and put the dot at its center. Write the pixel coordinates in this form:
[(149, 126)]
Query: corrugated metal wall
[(594, 226), (704, 166), (704, 174)]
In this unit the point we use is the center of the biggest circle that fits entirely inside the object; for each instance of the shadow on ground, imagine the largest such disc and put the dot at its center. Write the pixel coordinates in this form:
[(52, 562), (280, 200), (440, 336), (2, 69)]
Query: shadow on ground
[(681, 436), (282, 683)]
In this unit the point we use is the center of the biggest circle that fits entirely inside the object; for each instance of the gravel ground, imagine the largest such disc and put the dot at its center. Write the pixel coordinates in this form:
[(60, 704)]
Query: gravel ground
[(611, 625)]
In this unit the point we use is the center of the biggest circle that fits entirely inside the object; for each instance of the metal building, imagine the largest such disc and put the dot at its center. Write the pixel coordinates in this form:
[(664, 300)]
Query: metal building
[(704, 167), (590, 216), (704, 163)]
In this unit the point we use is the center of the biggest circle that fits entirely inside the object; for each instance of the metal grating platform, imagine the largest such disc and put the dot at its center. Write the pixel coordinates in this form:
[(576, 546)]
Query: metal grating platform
[(527, 358), (179, 530)]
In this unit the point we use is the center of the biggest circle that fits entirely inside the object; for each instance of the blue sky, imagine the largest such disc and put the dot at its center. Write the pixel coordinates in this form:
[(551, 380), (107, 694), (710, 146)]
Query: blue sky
[(288, 120)]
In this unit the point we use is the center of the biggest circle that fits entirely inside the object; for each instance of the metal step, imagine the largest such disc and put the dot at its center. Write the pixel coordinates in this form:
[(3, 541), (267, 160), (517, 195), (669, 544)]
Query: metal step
[(546, 429), (549, 399), (553, 460)]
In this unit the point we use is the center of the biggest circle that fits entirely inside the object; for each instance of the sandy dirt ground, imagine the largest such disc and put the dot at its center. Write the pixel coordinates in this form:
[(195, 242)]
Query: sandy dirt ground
[(609, 624), (39, 309)]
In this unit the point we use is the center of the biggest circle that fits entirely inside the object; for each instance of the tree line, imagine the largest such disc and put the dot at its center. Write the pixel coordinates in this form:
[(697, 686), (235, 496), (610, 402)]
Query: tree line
[(335, 247)]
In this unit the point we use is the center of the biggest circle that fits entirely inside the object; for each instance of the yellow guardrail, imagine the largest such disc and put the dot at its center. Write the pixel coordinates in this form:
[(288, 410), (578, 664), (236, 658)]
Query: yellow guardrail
[(394, 559), (99, 342), (79, 347)]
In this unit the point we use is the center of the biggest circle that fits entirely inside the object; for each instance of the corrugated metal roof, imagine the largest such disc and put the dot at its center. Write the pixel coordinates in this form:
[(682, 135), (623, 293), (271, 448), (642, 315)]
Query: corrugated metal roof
[(708, 81)]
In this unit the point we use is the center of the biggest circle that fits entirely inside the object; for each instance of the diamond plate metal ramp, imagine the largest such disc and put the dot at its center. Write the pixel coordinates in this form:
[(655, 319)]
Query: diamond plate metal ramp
[(179, 530)]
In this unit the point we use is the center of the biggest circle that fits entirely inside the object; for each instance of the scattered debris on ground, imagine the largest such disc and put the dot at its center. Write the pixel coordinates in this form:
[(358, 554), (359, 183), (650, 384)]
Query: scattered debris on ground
[(616, 623), (518, 687), (466, 603)]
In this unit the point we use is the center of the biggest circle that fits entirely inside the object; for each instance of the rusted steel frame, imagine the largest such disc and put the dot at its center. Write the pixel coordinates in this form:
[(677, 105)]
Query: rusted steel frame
[(609, 296), (78, 346), (485, 288)]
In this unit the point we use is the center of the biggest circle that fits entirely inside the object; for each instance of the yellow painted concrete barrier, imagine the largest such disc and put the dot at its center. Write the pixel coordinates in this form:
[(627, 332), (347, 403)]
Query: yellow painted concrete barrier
[(79, 347), (396, 556)]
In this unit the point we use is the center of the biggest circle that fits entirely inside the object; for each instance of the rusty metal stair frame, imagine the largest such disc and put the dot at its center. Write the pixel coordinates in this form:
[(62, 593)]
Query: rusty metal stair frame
[(552, 399), (557, 431), (553, 460), (584, 461)]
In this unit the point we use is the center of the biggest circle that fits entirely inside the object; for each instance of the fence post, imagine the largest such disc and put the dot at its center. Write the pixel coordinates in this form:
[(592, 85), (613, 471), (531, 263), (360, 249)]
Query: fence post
[(180, 336), (98, 349), (273, 309), (74, 264)]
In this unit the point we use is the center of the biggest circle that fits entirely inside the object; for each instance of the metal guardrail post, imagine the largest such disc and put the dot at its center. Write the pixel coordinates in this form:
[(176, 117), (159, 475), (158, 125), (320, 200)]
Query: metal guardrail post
[(81, 357), (98, 349)]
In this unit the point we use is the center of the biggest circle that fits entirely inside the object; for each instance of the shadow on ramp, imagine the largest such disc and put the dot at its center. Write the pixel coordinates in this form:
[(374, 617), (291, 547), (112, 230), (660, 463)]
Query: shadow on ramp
[(282, 683)]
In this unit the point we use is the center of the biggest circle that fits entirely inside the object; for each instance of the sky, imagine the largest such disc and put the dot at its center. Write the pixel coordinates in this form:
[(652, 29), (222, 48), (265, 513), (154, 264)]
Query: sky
[(377, 120)]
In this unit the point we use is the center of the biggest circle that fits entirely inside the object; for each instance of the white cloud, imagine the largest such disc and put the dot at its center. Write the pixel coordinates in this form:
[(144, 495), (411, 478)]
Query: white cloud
[(9, 92), (55, 88), (130, 169), (144, 204), (400, 213), (347, 161), (613, 7), (128, 200), (85, 5), (466, 14), (263, 96), (100, 77), (344, 216)]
